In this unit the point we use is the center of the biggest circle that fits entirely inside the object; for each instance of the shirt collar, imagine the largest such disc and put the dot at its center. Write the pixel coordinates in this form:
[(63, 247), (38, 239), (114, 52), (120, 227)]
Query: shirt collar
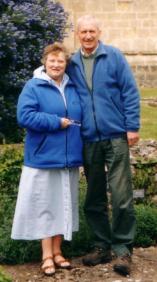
[(62, 84), (91, 54)]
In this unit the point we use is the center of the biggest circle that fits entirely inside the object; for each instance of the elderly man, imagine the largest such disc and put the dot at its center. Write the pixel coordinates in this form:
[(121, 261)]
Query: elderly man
[(110, 104)]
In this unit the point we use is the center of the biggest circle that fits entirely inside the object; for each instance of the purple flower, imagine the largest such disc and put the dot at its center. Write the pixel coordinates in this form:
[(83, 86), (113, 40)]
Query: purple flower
[(26, 27)]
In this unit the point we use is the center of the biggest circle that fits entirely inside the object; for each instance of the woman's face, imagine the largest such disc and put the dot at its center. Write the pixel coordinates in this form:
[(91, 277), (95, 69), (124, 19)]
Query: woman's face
[(55, 66)]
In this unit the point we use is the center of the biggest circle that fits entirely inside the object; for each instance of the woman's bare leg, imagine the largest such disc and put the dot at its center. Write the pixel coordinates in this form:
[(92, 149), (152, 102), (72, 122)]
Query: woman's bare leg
[(57, 241), (47, 253)]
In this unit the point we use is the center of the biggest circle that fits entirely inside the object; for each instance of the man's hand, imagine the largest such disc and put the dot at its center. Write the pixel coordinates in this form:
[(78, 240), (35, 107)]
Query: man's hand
[(132, 138), (65, 122)]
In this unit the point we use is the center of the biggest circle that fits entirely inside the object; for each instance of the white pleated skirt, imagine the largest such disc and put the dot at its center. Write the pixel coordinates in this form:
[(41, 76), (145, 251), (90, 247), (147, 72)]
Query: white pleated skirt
[(47, 204)]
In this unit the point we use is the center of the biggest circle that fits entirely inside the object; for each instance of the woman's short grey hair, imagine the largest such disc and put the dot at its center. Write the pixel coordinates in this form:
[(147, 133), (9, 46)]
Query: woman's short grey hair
[(88, 18)]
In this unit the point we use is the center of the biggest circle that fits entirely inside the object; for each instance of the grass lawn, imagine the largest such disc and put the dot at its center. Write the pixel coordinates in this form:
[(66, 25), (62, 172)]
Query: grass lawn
[(148, 116), (148, 93)]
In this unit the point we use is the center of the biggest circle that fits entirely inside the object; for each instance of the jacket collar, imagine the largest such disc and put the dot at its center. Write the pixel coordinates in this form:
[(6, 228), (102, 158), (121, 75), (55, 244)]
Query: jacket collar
[(101, 51), (42, 78), (44, 82)]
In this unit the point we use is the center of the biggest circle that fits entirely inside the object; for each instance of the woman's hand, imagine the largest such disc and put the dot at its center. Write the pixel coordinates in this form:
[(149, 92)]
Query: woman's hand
[(65, 122)]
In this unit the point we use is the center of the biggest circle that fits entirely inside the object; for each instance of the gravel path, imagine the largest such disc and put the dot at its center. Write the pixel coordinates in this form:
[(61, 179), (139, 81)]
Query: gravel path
[(144, 269)]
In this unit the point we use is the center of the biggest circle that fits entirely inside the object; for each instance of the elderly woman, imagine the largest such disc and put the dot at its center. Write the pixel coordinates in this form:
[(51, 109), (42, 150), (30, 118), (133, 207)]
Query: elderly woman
[(47, 204)]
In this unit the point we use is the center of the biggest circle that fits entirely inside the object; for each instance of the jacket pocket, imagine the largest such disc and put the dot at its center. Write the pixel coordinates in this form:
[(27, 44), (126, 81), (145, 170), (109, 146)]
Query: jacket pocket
[(116, 106), (40, 146)]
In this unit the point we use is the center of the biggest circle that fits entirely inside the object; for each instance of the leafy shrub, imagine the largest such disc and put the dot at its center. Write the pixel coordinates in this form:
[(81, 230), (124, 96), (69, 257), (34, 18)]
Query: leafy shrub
[(144, 177), (4, 277), (13, 251), (11, 160), (146, 233), (26, 27)]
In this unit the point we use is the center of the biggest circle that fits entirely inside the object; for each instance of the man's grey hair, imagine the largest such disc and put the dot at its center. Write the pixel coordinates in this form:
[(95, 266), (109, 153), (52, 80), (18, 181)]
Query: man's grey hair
[(88, 18)]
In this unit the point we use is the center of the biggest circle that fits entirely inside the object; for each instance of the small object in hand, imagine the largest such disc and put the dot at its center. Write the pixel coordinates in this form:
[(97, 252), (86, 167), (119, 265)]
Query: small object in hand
[(75, 122)]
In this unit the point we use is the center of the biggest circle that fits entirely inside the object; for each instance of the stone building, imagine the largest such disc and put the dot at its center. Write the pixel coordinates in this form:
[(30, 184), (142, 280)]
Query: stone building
[(130, 25)]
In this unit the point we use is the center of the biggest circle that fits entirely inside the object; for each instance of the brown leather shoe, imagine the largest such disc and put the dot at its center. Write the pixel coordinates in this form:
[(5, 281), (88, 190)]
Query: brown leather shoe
[(122, 265), (97, 256)]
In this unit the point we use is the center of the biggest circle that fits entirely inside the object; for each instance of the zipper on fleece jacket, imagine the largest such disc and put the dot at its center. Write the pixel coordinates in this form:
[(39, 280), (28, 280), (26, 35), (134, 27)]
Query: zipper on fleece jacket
[(66, 130), (93, 106), (66, 140), (94, 114)]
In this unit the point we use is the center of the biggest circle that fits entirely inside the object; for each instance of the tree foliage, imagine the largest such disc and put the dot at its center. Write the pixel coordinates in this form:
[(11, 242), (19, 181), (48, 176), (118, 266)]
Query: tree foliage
[(26, 27)]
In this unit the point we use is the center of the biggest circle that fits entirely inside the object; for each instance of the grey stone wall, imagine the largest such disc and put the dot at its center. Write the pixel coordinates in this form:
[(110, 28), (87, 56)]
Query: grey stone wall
[(144, 67), (130, 25)]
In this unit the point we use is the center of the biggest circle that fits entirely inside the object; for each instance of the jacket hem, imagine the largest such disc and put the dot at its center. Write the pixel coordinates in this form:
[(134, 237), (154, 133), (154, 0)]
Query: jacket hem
[(102, 138), (41, 166)]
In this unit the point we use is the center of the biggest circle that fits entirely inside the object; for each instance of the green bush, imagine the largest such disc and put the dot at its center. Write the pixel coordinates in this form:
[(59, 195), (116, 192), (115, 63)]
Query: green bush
[(11, 159), (146, 233), (4, 277), (12, 251), (144, 177)]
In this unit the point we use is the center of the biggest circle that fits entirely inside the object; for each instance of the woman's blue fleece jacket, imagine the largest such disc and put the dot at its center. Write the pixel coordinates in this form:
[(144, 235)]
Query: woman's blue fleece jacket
[(112, 107), (40, 109)]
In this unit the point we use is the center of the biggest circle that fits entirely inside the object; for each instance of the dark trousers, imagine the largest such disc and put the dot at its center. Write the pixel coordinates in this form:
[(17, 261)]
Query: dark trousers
[(117, 233)]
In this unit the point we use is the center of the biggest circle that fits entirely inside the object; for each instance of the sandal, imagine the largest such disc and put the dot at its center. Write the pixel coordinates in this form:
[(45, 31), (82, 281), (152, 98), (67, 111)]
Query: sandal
[(51, 266), (60, 263)]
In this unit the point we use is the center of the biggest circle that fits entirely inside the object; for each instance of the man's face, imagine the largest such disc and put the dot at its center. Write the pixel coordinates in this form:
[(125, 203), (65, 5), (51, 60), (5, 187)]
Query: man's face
[(88, 34)]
